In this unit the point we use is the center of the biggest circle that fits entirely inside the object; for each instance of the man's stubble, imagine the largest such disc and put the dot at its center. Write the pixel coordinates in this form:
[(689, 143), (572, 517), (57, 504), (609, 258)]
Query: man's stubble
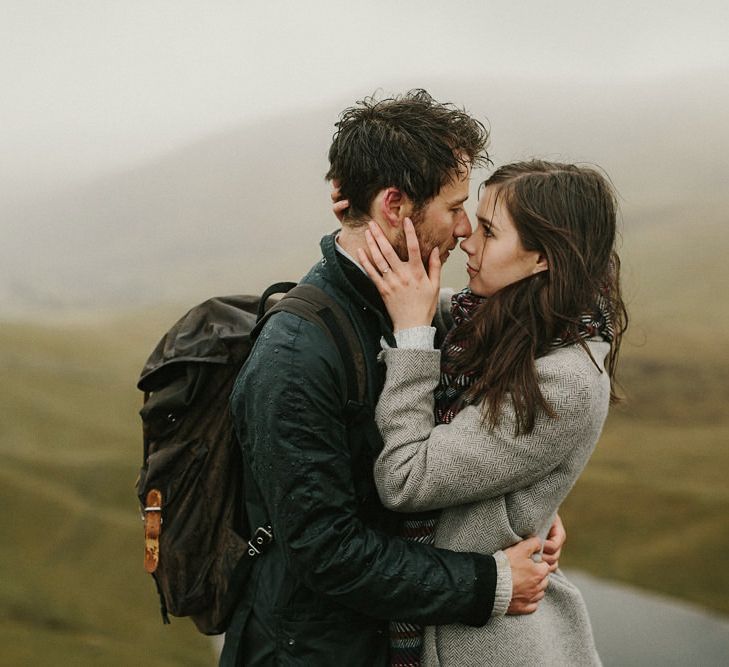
[(425, 239)]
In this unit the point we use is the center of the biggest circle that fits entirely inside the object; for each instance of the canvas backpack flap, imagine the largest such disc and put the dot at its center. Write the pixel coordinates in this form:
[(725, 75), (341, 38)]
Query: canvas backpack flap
[(215, 331), (171, 391), (174, 448)]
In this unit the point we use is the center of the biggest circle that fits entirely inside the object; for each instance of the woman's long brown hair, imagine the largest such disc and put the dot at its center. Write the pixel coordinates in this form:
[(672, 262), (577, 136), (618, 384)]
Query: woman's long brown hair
[(567, 213)]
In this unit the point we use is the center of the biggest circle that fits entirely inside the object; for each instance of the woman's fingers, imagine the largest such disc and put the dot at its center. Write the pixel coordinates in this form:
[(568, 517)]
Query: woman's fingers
[(434, 266), (384, 246), (411, 239), (335, 193), (379, 260), (339, 207), (372, 272)]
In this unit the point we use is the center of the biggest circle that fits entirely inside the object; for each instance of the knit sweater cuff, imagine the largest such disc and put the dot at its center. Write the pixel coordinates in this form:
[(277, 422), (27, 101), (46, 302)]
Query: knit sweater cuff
[(415, 338), (502, 598)]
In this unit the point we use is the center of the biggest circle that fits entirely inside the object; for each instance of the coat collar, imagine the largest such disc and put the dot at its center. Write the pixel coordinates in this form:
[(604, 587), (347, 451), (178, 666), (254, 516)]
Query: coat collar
[(355, 284)]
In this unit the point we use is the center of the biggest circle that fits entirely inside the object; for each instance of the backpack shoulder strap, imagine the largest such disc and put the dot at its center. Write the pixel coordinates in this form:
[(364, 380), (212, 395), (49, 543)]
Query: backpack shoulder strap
[(315, 305), (276, 288)]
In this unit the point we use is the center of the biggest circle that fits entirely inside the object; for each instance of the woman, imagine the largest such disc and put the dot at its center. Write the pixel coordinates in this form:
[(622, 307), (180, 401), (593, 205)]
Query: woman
[(495, 428)]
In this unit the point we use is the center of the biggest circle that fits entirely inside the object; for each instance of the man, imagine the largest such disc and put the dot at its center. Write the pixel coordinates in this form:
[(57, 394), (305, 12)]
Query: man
[(336, 572)]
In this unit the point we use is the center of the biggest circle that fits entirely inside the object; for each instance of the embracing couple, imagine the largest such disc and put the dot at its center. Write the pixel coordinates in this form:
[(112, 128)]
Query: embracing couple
[(439, 543)]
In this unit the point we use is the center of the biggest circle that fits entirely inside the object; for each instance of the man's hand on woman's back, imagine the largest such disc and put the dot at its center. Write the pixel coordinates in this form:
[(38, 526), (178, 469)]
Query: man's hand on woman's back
[(529, 579), (553, 544)]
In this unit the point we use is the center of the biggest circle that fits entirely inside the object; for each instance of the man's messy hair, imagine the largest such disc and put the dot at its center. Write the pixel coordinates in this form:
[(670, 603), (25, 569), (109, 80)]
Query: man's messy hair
[(411, 142)]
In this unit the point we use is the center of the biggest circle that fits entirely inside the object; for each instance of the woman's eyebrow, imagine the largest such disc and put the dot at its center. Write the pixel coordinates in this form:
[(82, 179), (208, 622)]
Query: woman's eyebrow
[(485, 221)]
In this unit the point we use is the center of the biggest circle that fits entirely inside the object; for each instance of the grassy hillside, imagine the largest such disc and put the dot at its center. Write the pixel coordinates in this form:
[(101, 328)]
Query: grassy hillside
[(650, 510), (71, 579)]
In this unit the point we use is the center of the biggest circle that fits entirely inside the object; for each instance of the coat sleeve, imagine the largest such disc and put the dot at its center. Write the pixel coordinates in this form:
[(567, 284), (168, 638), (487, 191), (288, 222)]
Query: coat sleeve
[(424, 466), (288, 410)]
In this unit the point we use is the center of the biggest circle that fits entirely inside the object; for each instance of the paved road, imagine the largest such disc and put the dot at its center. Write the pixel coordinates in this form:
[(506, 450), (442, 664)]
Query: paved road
[(636, 628)]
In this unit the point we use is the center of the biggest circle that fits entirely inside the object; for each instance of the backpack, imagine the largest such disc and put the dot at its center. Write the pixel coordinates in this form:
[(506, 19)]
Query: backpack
[(194, 481)]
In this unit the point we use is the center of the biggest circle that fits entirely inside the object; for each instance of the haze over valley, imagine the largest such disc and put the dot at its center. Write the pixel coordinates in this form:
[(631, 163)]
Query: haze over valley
[(246, 206)]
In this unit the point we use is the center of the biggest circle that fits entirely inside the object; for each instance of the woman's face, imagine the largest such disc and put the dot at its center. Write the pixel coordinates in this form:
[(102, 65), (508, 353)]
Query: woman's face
[(496, 256)]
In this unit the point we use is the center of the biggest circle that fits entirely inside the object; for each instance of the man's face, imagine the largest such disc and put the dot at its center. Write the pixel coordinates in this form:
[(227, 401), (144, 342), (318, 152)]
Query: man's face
[(441, 222)]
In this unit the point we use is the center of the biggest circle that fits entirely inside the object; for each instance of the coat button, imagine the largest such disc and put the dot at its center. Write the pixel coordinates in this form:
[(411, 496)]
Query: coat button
[(292, 641)]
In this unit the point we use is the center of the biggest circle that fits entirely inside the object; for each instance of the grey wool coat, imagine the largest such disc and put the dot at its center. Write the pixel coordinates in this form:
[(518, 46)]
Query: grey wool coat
[(495, 489)]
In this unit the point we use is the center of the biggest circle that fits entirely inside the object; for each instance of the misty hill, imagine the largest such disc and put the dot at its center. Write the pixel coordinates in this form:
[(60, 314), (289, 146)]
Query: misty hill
[(244, 207), (211, 214)]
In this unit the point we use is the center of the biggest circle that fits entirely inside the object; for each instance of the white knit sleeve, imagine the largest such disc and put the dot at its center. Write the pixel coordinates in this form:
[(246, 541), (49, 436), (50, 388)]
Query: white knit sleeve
[(504, 585)]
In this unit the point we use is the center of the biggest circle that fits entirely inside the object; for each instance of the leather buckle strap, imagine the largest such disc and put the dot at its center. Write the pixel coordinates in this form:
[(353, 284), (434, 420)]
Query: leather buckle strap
[(261, 538), (152, 516)]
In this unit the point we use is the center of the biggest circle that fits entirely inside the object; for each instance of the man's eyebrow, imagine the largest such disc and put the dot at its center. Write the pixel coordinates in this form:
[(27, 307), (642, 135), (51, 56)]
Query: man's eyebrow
[(458, 200)]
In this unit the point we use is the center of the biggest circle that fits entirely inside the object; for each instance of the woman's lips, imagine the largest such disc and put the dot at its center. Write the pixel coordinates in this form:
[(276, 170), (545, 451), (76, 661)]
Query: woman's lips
[(471, 271)]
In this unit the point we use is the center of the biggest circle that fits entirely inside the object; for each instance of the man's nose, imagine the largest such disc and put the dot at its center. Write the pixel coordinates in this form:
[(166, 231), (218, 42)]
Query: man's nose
[(463, 227)]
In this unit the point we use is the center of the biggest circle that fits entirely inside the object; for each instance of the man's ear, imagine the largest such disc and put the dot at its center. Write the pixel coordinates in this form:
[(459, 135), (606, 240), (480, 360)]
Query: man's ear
[(394, 206)]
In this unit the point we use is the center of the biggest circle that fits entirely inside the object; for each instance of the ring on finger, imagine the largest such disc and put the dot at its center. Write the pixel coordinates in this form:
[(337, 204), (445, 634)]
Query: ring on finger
[(384, 271)]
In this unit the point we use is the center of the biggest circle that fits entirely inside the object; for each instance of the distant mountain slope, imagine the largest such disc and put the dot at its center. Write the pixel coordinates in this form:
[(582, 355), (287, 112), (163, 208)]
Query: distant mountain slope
[(247, 206), (204, 215)]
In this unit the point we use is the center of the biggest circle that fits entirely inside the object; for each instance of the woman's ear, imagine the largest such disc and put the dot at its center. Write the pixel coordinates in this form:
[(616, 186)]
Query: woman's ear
[(541, 264), (394, 206)]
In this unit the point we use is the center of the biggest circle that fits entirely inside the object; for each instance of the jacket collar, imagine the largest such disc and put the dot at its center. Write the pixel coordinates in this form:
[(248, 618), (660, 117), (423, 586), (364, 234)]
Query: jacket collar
[(355, 284)]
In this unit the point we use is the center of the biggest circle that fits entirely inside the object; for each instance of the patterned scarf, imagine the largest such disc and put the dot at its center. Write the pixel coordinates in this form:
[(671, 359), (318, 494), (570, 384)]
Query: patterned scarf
[(453, 384), (406, 639)]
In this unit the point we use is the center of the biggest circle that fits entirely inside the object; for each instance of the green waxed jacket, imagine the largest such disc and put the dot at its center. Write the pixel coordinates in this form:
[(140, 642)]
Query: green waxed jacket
[(335, 573)]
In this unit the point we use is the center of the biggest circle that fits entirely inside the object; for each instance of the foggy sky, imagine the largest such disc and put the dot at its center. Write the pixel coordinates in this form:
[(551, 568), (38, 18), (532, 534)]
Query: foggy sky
[(89, 85)]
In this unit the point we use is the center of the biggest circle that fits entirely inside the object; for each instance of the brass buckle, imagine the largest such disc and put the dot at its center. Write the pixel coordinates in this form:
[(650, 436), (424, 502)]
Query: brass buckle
[(152, 508)]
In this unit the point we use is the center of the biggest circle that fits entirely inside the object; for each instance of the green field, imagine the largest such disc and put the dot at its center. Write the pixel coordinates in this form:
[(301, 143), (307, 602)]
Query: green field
[(72, 586), (651, 509)]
